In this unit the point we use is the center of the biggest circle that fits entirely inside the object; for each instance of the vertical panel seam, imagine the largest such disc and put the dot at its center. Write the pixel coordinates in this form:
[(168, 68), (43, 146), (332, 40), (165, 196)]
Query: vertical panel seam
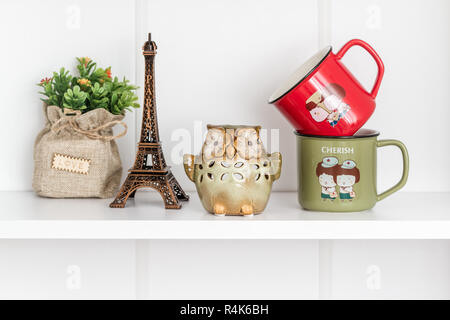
[(324, 23), (141, 246), (137, 27), (325, 255)]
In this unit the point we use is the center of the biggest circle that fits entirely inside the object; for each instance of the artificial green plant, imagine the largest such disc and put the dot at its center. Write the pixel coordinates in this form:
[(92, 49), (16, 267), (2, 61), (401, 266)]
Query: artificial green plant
[(94, 88)]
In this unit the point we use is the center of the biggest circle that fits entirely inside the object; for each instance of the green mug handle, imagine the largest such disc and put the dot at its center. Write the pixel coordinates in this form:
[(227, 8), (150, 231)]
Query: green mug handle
[(402, 182)]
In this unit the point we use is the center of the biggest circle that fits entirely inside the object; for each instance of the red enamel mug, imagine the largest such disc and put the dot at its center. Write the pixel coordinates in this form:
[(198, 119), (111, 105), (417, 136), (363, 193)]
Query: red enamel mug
[(323, 98)]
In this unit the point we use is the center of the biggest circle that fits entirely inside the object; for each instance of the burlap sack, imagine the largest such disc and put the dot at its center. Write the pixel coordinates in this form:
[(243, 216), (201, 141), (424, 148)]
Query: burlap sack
[(75, 156)]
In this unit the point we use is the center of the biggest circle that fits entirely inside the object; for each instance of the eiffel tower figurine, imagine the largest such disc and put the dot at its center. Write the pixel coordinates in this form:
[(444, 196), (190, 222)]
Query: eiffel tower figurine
[(150, 169)]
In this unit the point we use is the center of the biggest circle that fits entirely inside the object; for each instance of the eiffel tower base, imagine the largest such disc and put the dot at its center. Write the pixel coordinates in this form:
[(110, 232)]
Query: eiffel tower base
[(165, 184)]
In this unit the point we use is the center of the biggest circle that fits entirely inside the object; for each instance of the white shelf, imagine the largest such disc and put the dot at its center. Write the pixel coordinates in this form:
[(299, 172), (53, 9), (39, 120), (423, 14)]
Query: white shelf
[(402, 216)]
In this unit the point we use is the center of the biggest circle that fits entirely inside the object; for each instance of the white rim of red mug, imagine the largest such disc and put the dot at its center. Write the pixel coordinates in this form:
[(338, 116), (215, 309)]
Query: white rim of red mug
[(299, 75)]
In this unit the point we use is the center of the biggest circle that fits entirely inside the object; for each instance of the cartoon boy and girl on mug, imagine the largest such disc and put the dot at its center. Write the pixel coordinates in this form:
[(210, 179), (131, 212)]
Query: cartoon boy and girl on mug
[(331, 173), (327, 104)]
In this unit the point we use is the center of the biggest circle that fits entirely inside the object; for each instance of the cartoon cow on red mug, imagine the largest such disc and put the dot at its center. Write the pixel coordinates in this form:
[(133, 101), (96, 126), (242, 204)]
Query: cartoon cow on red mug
[(328, 104)]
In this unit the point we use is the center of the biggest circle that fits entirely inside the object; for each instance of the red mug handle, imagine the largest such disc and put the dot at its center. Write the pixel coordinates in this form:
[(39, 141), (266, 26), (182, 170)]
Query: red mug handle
[(375, 56)]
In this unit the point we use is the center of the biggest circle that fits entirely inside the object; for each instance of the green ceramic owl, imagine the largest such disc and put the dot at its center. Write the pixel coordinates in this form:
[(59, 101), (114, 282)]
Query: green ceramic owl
[(233, 174)]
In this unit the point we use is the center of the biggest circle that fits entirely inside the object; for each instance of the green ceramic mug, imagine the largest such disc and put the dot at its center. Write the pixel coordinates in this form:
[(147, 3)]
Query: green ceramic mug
[(340, 173)]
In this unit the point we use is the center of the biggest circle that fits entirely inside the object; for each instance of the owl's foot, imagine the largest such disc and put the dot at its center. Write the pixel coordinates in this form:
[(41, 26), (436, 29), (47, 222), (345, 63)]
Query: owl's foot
[(247, 210), (219, 210)]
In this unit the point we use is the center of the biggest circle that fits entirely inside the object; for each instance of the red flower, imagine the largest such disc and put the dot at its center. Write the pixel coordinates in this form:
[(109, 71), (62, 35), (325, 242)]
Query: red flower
[(45, 80), (85, 61), (108, 72)]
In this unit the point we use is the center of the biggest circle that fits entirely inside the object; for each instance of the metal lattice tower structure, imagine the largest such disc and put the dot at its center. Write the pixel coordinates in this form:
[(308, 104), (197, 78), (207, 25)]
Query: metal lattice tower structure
[(150, 169)]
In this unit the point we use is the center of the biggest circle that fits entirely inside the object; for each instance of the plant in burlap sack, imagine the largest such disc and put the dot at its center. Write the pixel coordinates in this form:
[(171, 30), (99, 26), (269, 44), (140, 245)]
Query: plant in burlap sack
[(76, 155)]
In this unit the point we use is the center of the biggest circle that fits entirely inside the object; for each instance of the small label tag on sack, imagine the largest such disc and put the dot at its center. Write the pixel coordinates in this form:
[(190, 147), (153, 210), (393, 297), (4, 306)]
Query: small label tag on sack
[(70, 164)]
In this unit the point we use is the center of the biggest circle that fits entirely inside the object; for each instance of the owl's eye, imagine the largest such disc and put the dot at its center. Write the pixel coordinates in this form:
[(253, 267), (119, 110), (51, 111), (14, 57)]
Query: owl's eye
[(248, 143), (214, 146)]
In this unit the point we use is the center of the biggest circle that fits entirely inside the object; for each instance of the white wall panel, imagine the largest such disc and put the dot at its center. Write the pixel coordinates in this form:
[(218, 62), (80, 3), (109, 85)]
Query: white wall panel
[(234, 269), (65, 269), (412, 38), (39, 37), (380, 269), (219, 61)]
